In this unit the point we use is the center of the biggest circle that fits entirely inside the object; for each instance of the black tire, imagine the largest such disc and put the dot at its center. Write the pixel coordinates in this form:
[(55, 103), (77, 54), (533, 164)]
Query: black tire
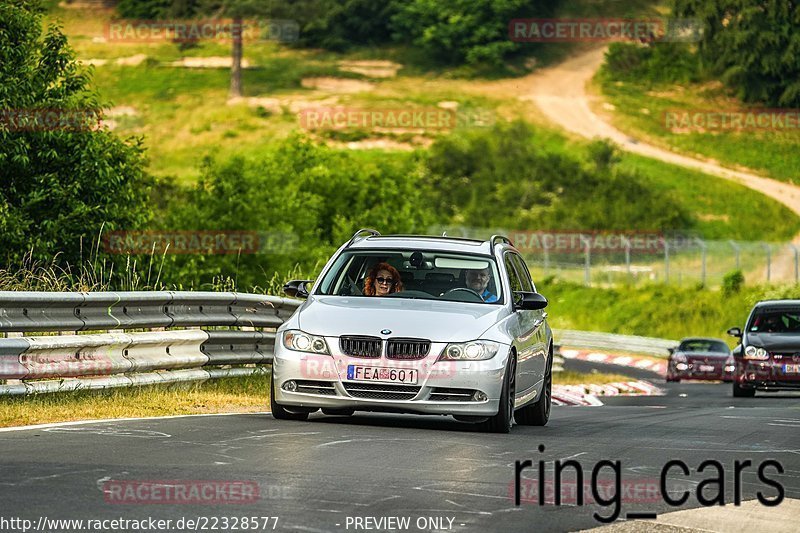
[(538, 413), (673, 380), (278, 411), (337, 412), (742, 392), (504, 419)]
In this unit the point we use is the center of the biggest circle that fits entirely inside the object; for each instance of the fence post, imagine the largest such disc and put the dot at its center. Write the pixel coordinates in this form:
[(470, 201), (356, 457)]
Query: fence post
[(546, 256), (736, 249), (627, 243), (703, 251), (666, 260), (796, 260), (587, 265), (769, 259)]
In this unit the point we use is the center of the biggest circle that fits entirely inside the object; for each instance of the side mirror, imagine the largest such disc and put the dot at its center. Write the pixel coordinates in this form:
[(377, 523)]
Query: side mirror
[(671, 350), (735, 332), (529, 300), (297, 288)]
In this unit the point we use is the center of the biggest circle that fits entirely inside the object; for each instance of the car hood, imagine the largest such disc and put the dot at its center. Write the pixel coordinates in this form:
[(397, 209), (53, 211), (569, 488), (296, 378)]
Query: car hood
[(775, 342), (434, 320)]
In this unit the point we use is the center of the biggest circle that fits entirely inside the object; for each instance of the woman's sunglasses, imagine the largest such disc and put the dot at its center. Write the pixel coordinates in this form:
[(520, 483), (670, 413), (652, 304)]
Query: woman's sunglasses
[(385, 280)]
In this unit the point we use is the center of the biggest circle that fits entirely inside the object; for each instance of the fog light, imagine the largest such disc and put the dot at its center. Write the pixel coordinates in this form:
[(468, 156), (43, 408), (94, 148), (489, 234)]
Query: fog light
[(479, 396), (730, 368), (290, 386), (681, 366)]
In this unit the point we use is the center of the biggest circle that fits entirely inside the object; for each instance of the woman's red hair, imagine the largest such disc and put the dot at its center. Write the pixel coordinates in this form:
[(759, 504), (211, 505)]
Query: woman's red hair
[(369, 283)]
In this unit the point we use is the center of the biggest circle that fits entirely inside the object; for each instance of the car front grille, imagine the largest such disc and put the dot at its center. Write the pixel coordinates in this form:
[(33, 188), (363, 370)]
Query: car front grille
[(375, 391), (324, 388), (357, 346), (407, 348), (443, 394)]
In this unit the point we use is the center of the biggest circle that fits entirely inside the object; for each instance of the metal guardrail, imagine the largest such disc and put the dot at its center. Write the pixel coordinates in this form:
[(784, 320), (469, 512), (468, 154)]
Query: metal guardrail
[(108, 355), (613, 341)]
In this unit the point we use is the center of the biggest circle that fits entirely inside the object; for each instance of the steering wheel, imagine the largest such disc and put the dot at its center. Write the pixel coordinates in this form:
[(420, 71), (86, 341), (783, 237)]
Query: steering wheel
[(466, 290)]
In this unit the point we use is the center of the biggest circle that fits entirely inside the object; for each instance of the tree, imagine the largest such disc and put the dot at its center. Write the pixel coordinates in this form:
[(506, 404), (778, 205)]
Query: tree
[(60, 182), (754, 45), (237, 10)]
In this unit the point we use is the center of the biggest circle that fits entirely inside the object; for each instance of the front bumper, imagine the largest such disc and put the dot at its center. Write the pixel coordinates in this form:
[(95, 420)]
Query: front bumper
[(694, 372), (769, 375), (325, 383)]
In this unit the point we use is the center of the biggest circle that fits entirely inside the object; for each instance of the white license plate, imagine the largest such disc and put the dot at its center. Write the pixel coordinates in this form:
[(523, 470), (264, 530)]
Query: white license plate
[(406, 376), (706, 368), (791, 369)]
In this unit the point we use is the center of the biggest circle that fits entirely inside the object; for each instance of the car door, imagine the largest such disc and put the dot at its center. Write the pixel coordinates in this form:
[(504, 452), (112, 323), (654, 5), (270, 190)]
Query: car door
[(538, 317), (524, 332)]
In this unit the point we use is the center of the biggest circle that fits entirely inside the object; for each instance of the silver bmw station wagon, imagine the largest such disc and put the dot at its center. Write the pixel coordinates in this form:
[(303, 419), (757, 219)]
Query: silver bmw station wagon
[(416, 324)]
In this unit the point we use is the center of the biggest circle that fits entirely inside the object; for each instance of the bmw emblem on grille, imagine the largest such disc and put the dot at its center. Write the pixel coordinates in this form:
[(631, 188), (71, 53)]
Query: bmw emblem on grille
[(386, 332)]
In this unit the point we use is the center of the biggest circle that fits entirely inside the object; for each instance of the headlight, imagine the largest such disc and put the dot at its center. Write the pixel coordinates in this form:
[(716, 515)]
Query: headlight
[(294, 339), (470, 351), (751, 352)]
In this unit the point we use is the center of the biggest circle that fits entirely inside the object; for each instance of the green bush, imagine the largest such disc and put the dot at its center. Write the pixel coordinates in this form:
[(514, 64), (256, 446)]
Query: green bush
[(59, 185), (498, 177), (752, 45), (660, 62), (732, 282), (308, 198)]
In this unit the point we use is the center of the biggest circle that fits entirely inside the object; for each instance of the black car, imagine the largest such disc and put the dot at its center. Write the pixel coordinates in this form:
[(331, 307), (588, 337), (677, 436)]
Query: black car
[(700, 358), (768, 355)]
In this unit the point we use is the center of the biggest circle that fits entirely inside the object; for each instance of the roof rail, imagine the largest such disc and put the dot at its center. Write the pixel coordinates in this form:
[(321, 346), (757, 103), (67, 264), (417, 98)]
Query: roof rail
[(372, 232), (501, 238)]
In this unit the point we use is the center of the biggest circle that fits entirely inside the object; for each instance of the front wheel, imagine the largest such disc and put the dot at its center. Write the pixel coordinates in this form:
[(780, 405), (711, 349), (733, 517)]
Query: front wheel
[(538, 413), (742, 392), (504, 419)]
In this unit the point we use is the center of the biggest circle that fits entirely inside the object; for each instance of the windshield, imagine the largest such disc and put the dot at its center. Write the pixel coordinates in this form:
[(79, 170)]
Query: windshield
[(786, 320), (414, 274), (702, 345)]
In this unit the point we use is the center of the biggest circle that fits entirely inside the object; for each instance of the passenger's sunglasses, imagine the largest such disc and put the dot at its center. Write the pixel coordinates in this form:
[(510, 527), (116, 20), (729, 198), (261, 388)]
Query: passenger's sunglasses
[(385, 280)]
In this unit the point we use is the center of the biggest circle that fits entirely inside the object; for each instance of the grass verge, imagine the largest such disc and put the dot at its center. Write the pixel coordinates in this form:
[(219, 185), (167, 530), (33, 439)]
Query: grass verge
[(640, 111), (227, 395)]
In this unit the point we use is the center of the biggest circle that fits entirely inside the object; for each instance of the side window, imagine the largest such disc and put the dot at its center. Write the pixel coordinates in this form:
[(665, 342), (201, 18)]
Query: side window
[(524, 273), (513, 278)]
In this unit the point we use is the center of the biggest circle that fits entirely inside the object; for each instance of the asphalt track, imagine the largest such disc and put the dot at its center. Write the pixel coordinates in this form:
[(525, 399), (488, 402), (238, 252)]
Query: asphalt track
[(324, 474)]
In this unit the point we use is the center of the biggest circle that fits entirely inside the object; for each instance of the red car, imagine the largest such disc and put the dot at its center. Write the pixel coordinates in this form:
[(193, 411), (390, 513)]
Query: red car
[(700, 358)]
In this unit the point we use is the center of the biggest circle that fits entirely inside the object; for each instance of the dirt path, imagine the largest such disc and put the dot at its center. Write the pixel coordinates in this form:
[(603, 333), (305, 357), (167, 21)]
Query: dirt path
[(560, 93)]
